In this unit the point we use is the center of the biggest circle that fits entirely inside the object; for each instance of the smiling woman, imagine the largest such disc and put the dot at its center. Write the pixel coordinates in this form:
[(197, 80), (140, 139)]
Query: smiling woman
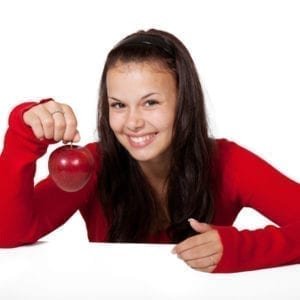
[(159, 175), (156, 139), (147, 116)]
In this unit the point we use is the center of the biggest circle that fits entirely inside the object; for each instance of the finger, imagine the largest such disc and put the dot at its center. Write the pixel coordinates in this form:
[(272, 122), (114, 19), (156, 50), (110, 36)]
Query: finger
[(199, 251), (199, 239), (34, 122), (67, 130), (207, 264), (77, 137), (202, 263), (209, 269), (75, 140), (47, 121), (71, 133), (198, 226), (59, 126)]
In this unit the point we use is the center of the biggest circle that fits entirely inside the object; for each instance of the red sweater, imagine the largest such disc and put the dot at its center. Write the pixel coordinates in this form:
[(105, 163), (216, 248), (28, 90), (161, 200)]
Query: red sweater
[(29, 212)]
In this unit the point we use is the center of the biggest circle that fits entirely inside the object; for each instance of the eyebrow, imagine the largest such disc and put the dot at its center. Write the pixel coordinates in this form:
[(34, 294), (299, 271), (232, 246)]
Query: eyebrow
[(144, 97)]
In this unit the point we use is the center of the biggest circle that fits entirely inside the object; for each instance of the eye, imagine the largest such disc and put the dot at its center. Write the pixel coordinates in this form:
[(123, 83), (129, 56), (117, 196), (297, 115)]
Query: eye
[(151, 102), (117, 105)]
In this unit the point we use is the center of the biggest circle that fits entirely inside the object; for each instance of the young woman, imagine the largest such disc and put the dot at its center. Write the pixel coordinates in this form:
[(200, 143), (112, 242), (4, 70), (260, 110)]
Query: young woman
[(159, 176)]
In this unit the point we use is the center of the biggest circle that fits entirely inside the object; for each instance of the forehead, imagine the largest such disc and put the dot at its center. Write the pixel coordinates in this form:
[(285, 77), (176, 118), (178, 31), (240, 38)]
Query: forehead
[(139, 75)]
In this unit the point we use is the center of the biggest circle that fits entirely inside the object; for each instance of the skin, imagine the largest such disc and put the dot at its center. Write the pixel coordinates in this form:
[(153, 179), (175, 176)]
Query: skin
[(58, 126), (202, 251), (142, 101)]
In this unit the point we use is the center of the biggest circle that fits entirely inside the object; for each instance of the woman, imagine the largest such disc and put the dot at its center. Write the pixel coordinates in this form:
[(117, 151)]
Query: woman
[(159, 176)]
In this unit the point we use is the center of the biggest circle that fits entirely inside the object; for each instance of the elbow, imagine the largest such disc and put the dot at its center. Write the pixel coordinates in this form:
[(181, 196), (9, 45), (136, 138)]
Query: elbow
[(13, 241)]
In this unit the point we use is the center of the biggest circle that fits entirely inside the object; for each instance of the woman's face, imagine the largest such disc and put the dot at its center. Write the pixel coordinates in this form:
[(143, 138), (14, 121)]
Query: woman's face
[(142, 102)]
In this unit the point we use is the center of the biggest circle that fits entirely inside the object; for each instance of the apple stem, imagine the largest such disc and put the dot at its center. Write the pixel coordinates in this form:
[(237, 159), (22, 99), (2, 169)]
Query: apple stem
[(71, 144)]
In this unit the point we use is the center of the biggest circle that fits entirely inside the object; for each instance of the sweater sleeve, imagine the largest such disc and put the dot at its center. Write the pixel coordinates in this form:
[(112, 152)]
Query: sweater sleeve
[(260, 186), (29, 212)]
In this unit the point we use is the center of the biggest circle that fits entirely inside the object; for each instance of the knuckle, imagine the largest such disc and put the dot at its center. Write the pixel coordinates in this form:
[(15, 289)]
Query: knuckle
[(35, 122), (48, 122), (50, 104), (193, 264), (29, 114), (182, 256), (198, 268), (33, 112), (36, 108), (178, 249), (38, 133), (197, 264), (60, 125), (66, 106), (71, 122)]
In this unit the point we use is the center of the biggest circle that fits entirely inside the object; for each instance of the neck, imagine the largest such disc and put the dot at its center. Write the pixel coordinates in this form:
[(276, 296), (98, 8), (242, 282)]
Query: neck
[(155, 171), (156, 174)]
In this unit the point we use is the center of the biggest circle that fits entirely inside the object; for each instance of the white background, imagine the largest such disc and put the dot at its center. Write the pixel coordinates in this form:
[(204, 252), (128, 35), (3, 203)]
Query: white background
[(247, 54)]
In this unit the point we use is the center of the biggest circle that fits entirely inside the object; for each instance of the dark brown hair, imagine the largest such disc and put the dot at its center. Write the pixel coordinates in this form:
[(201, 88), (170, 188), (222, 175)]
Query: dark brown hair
[(129, 202)]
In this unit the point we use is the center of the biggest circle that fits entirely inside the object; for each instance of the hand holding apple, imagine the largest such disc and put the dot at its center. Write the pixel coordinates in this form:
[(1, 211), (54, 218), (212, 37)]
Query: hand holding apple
[(71, 167)]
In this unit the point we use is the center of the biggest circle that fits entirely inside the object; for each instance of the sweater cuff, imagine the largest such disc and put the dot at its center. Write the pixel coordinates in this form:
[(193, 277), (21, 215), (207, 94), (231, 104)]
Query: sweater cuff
[(229, 237)]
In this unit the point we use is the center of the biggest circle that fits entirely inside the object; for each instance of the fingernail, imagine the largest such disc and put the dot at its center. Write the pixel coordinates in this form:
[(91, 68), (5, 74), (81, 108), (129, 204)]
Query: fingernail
[(191, 220), (173, 251)]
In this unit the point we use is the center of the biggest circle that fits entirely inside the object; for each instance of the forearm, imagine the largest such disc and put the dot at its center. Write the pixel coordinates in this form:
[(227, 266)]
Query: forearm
[(17, 169), (256, 249)]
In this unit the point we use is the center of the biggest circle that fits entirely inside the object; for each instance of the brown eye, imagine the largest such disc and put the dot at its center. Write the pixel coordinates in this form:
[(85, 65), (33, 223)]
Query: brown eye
[(151, 102), (117, 105)]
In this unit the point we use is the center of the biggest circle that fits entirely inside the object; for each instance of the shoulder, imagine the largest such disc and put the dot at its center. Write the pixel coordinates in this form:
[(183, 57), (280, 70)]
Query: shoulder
[(233, 159), (224, 148), (231, 164), (230, 157), (227, 149)]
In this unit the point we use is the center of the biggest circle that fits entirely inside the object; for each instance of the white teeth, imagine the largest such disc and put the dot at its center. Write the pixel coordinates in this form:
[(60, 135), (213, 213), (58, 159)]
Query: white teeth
[(141, 139)]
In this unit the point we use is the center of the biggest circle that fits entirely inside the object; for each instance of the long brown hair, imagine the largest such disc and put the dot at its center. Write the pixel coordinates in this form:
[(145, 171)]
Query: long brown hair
[(128, 199)]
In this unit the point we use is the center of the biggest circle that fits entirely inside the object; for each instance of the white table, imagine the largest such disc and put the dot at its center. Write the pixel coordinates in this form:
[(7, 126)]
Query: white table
[(87, 271)]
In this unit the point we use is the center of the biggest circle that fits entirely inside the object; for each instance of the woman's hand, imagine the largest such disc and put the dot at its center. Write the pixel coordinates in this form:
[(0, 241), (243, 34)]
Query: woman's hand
[(52, 120), (202, 251)]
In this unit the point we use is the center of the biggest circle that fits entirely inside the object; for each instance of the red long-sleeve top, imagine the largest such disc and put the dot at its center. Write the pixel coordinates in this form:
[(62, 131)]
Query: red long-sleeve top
[(29, 212)]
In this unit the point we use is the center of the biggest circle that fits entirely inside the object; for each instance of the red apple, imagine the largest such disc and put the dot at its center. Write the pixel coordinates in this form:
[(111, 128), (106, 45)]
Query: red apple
[(71, 167)]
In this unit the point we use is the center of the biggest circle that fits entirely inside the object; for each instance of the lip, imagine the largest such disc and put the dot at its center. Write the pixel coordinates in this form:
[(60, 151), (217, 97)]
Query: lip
[(141, 141)]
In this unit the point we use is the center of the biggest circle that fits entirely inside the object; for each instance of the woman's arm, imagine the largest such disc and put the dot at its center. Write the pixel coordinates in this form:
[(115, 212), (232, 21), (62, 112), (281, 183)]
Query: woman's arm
[(260, 186), (26, 212)]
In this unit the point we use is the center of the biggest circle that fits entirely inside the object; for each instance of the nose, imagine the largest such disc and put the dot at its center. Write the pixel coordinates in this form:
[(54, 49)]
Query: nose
[(134, 120)]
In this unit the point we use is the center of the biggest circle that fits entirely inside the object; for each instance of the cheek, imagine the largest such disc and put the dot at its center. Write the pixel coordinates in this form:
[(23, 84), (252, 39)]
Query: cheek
[(165, 120), (115, 122)]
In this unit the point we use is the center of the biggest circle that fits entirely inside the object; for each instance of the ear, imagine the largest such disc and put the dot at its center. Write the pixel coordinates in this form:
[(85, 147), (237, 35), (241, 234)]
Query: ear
[(199, 227)]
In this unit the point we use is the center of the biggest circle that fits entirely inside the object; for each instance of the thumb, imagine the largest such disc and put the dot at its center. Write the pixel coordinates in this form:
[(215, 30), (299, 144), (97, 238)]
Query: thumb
[(199, 227)]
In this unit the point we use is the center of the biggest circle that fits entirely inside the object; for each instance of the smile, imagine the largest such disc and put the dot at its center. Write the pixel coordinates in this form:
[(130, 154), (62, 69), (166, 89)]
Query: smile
[(141, 141)]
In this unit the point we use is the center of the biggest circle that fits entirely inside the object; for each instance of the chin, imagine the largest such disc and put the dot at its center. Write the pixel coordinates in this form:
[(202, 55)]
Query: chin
[(142, 158)]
